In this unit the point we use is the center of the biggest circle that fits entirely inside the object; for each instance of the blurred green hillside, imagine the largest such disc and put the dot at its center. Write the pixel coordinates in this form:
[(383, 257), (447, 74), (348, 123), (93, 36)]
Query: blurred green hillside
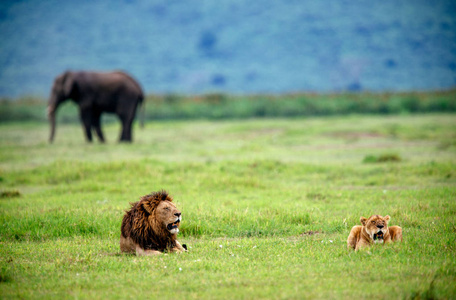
[(232, 46), (226, 106)]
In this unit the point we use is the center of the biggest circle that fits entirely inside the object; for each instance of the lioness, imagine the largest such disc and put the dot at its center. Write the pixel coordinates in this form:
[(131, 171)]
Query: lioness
[(374, 230), (151, 225)]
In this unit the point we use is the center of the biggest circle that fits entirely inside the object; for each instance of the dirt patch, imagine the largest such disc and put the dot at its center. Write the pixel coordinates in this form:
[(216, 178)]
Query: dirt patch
[(309, 233), (355, 135), (362, 145)]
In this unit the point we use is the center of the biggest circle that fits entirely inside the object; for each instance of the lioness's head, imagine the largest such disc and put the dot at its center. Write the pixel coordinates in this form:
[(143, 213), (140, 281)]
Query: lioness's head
[(163, 211), (376, 226)]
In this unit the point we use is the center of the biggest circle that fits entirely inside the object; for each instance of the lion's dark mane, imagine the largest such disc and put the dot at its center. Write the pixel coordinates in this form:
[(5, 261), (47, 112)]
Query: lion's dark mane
[(142, 228)]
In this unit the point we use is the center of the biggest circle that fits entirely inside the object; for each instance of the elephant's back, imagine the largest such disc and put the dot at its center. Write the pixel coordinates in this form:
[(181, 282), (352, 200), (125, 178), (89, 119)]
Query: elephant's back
[(128, 78), (116, 82)]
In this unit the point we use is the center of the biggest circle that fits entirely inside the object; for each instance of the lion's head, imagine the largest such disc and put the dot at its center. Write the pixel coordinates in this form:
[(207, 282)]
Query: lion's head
[(152, 223), (376, 227), (167, 214), (163, 213)]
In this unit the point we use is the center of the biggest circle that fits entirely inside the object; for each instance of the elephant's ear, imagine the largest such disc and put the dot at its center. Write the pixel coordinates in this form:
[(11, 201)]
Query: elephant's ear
[(67, 83)]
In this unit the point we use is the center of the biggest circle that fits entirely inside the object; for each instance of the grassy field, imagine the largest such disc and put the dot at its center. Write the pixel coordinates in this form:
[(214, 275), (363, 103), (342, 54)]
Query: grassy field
[(267, 207)]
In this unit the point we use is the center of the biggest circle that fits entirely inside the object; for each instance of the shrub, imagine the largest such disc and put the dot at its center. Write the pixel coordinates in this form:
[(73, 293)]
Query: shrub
[(386, 157)]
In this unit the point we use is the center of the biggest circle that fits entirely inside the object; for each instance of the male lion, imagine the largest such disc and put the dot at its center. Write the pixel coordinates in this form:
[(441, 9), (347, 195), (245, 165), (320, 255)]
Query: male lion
[(374, 230), (151, 225)]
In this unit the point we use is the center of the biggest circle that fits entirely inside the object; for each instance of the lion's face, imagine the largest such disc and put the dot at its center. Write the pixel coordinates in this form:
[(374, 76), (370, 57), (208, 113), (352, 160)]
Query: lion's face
[(169, 216), (376, 226)]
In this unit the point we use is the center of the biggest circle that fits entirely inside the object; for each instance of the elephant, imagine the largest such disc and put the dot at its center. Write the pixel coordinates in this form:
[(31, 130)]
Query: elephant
[(97, 92)]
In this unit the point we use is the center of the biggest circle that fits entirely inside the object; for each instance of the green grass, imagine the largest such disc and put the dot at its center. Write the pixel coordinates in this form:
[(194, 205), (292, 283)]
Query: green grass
[(267, 207), (226, 106)]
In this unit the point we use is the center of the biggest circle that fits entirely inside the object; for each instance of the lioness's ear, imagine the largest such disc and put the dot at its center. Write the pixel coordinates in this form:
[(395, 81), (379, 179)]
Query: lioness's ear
[(363, 220), (387, 218)]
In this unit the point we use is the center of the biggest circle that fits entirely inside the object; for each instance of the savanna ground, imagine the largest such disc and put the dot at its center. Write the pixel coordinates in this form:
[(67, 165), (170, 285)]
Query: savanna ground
[(267, 207)]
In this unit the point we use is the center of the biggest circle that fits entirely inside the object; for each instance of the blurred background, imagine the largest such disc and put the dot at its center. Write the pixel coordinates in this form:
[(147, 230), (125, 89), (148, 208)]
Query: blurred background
[(232, 46)]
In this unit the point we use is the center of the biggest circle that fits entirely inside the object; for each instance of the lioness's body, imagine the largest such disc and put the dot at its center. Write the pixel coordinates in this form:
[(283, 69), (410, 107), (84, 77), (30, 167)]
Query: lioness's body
[(151, 225), (374, 230)]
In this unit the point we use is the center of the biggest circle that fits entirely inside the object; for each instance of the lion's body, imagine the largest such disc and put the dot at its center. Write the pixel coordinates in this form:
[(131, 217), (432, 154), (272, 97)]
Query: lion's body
[(374, 230), (151, 226)]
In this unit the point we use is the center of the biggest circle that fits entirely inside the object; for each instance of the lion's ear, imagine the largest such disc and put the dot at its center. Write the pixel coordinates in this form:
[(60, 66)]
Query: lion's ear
[(147, 207), (387, 218), (147, 204), (363, 221)]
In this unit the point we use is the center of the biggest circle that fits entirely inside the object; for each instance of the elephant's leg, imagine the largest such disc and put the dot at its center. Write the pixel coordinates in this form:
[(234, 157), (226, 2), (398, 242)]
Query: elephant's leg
[(129, 129), (86, 118), (126, 111), (126, 128), (97, 125)]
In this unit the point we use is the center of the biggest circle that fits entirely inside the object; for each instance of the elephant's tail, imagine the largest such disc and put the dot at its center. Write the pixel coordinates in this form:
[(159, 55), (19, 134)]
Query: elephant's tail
[(142, 112)]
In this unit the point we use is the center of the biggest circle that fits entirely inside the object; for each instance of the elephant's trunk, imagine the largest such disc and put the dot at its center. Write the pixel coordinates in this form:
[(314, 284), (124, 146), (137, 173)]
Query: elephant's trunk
[(51, 116)]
